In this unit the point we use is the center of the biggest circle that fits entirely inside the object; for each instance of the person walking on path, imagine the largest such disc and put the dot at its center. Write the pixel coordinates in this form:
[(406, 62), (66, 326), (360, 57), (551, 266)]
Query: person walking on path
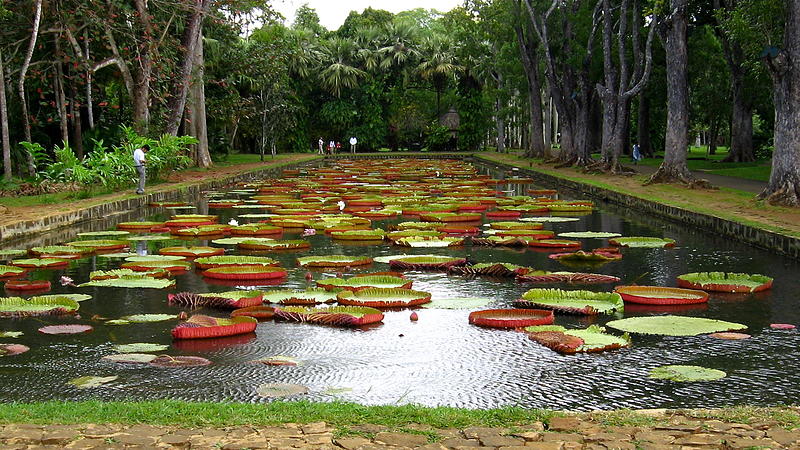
[(353, 142), (636, 155), (331, 146), (321, 144), (139, 161)]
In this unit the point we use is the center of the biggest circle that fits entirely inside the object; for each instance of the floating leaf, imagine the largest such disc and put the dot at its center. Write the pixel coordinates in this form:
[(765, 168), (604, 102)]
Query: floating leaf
[(429, 242), (642, 242), (342, 316), (36, 306), (91, 381), (296, 296), (150, 237), (333, 261), (384, 298), (550, 219), (179, 361), (10, 271), (12, 253), (674, 325), (109, 233), (276, 390), (239, 240), (571, 302), (140, 347), (76, 297), (11, 334), (386, 259), (12, 349), (725, 281), (686, 373), (730, 336), (458, 303), (154, 258), (129, 282), (39, 263), (589, 234), (66, 329), (362, 282), (117, 255), (133, 358), (148, 318), (234, 260), (278, 360)]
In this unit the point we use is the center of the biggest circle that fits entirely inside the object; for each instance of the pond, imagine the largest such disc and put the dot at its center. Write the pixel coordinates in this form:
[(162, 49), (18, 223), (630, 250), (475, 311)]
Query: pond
[(440, 359)]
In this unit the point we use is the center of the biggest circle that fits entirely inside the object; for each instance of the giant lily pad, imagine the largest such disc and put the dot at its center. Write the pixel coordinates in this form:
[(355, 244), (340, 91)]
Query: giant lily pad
[(333, 261), (141, 318), (5, 254), (10, 271), (36, 306), (150, 237), (153, 258), (76, 297), (11, 334), (91, 381), (276, 390), (140, 347), (589, 234), (234, 260), (384, 298), (458, 303), (104, 234), (571, 302), (387, 259), (129, 282), (429, 242), (343, 316), (40, 263), (363, 282), (66, 329), (426, 262), (299, 297), (179, 361), (239, 240), (686, 373), (642, 242), (100, 244), (674, 325), (550, 219), (127, 273), (725, 281), (12, 349), (588, 340)]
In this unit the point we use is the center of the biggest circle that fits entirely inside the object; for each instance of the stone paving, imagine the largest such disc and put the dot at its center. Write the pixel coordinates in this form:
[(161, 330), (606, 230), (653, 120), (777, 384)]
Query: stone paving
[(561, 433)]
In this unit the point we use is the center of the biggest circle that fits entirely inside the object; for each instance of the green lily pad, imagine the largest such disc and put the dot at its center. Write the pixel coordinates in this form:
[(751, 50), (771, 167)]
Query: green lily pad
[(276, 390), (458, 303), (674, 325), (117, 255), (589, 234), (133, 358), (12, 253), (140, 347), (572, 302), (11, 334), (686, 373), (152, 258), (91, 381), (642, 242), (386, 259), (150, 237), (146, 318), (76, 297), (101, 234), (550, 219), (133, 283)]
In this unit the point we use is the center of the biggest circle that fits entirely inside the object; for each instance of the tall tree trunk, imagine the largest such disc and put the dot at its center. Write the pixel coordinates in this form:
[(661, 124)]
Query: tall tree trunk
[(784, 180), (198, 100), (77, 128), (741, 149), (190, 40), (500, 126), (676, 140), (4, 121), (37, 18), (141, 81), (529, 53), (89, 75), (643, 126), (61, 98), (713, 135), (548, 124)]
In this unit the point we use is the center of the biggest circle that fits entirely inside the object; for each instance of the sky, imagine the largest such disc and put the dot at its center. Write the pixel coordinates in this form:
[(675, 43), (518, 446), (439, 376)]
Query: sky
[(333, 12)]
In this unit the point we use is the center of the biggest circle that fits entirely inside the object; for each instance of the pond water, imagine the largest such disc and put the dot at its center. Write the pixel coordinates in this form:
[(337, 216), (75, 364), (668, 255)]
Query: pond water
[(440, 359)]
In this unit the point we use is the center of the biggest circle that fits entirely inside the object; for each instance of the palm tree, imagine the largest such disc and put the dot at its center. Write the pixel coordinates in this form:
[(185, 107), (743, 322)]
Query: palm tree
[(338, 69), (400, 44), (439, 64)]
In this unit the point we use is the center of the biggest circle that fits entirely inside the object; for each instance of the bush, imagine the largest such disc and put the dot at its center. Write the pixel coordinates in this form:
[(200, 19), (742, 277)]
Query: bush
[(110, 167)]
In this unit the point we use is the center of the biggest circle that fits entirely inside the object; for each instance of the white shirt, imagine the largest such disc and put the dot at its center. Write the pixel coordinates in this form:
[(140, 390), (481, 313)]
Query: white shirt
[(353, 140), (138, 157)]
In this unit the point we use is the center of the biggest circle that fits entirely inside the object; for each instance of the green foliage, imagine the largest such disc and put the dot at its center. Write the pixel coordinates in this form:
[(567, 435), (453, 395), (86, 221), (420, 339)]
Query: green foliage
[(686, 373), (673, 325)]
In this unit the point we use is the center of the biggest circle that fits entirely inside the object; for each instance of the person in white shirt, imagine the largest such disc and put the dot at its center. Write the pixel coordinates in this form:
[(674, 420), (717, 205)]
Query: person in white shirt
[(139, 161), (353, 142), (331, 147), (321, 144)]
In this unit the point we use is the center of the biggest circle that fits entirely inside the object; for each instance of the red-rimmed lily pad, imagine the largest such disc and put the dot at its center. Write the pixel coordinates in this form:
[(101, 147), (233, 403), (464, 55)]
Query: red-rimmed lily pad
[(27, 285), (201, 326), (729, 335), (191, 252), (426, 262), (540, 276), (333, 261), (257, 312), (245, 273), (571, 302), (131, 283), (66, 329), (265, 245), (659, 295), (554, 243), (225, 300), (138, 226), (342, 316), (725, 281), (40, 263), (365, 282), (511, 318), (234, 260), (588, 340), (35, 306), (782, 326), (100, 244), (11, 271), (312, 296), (384, 298)]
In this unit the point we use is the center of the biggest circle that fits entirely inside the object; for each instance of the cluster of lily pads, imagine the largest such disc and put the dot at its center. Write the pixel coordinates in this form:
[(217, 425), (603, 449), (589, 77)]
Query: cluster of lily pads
[(421, 204)]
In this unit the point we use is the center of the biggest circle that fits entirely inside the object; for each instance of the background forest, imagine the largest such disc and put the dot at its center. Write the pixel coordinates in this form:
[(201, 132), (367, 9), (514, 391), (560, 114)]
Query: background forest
[(577, 82)]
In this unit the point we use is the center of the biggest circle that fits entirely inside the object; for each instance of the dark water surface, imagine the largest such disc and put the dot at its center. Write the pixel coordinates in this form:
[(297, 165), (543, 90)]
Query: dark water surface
[(441, 359)]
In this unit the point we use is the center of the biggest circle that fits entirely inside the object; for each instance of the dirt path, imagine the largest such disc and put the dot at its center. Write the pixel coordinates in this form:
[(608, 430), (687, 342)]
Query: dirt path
[(738, 205), (13, 214)]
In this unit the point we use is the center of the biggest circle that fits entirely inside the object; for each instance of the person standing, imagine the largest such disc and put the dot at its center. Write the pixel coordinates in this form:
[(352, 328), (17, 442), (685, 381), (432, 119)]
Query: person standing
[(331, 146), (636, 155), (139, 161), (353, 142), (321, 144)]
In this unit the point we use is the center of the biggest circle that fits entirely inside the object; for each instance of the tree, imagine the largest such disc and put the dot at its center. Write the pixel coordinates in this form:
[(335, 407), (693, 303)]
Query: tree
[(619, 85), (530, 56), (37, 17), (306, 18), (439, 65), (784, 180), (676, 142), (369, 18), (339, 70)]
